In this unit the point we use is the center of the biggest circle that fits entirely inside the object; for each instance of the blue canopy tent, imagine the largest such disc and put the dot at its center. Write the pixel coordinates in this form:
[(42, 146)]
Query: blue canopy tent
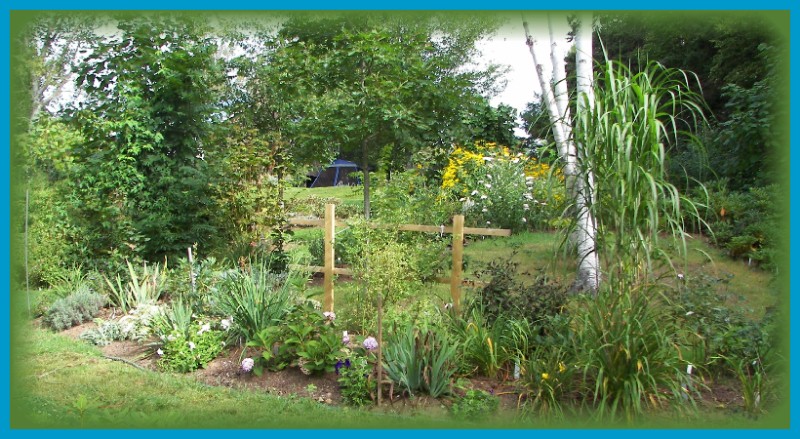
[(336, 174)]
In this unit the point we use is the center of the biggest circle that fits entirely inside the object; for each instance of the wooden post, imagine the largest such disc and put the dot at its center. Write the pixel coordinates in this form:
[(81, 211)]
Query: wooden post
[(330, 232), (458, 257), (191, 268)]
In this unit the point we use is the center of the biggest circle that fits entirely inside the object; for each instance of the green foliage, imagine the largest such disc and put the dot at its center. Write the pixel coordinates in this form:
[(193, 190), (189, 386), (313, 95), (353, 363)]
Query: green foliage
[(204, 272), (74, 309), (745, 223), (624, 135), (142, 288), (420, 361), (137, 325), (475, 405), (712, 331), (627, 350), (390, 264), (186, 349), (139, 183), (55, 242), (304, 337), (255, 298), (356, 382), (547, 375), (410, 198), (506, 295)]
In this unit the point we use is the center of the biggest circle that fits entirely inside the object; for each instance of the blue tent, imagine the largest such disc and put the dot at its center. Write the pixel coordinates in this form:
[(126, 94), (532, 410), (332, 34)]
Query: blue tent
[(336, 174)]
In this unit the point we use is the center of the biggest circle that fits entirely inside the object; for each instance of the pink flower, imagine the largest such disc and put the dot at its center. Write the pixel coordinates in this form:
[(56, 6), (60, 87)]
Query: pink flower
[(247, 364), (370, 344)]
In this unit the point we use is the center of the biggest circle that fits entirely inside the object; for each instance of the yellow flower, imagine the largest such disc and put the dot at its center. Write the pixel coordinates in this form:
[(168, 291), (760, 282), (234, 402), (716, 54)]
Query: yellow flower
[(561, 367), (545, 376)]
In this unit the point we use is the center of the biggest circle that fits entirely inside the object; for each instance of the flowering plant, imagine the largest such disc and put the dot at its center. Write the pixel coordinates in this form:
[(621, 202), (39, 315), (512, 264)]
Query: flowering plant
[(185, 351), (499, 188), (355, 380)]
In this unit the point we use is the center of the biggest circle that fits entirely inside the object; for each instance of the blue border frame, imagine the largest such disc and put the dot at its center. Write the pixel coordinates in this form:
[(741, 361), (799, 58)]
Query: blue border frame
[(8, 6)]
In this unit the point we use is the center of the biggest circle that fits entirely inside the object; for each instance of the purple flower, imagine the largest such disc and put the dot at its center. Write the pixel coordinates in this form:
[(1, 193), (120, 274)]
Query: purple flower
[(329, 315), (345, 337), (338, 366), (370, 344), (247, 364)]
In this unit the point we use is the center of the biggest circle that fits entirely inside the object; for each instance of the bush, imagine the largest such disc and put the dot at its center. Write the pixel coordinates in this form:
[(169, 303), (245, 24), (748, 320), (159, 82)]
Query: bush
[(305, 338), (193, 348), (506, 295), (138, 325), (498, 188), (745, 223), (78, 307), (355, 380), (714, 334)]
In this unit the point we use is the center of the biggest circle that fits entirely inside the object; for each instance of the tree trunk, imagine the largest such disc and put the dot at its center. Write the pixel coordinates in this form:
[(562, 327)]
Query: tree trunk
[(579, 184), (586, 228)]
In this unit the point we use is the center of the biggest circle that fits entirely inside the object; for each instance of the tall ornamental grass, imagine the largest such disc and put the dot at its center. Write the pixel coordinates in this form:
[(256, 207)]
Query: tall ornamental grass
[(625, 138)]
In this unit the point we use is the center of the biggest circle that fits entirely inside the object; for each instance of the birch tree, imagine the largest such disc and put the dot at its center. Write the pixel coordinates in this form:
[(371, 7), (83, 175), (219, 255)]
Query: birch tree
[(555, 99)]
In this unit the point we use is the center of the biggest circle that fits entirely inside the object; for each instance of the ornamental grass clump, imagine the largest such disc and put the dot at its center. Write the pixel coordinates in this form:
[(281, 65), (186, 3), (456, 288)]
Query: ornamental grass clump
[(420, 361), (628, 354), (255, 298)]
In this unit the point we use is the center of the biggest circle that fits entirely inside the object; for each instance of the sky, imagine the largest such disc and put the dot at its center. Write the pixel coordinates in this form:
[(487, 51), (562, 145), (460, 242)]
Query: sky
[(507, 47)]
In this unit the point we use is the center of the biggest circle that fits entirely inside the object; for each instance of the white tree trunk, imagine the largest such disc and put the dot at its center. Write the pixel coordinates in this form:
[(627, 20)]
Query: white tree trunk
[(586, 227), (579, 184)]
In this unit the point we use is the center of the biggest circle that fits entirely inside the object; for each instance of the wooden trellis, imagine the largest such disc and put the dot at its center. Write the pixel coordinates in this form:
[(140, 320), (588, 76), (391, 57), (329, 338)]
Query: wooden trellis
[(458, 231)]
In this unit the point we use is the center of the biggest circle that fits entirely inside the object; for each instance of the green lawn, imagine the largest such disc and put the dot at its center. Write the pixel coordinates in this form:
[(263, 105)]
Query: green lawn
[(347, 194), (62, 383)]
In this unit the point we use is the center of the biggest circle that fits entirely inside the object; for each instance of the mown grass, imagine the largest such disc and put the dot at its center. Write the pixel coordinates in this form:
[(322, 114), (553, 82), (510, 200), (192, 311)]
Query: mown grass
[(347, 194), (62, 383)]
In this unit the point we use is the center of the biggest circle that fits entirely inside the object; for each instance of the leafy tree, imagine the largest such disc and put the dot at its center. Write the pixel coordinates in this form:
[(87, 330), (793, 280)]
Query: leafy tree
[(140, 183), (364, 83)]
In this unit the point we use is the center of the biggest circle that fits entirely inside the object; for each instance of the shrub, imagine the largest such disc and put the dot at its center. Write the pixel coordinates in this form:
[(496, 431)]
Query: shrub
[(505, 294), (305, 338), (498, 188), (355, 380), (712, 333), (187, 350), (80, 306), (745, 223), (138, 325)]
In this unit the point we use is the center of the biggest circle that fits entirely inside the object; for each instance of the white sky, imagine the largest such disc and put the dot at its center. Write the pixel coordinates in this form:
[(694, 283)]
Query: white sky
[(507, 47)]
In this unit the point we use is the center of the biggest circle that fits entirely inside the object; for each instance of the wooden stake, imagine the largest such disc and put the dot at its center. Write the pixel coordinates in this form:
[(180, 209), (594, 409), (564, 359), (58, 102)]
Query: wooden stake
[(458, 257), (379, 379), (191, 268), (330, 232)]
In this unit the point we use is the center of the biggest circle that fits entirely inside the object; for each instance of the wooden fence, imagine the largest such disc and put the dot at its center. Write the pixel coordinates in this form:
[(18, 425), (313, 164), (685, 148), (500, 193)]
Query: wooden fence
[(458, 231)]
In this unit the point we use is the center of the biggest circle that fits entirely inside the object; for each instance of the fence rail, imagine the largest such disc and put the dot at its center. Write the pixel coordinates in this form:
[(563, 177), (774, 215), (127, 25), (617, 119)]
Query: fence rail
[(329, 224)]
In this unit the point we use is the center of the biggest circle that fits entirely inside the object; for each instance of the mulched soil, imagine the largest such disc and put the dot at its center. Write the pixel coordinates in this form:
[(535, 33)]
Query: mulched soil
[(225, 371)]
